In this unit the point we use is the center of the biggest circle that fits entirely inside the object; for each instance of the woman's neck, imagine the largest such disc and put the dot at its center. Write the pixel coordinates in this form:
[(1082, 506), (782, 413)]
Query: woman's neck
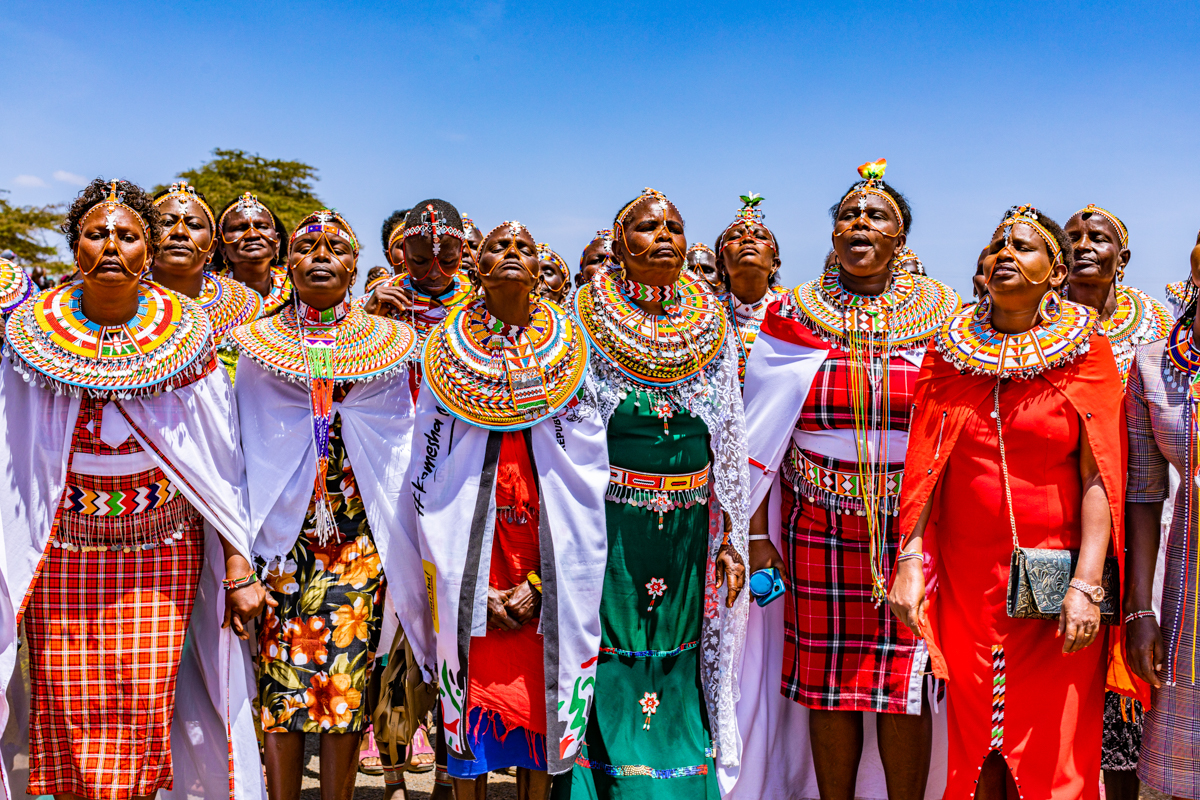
[(509, 305), (255, 274), (1101, 295), (749, 286), (866, 285), (1014, 320), (189, 285), (108, 307)]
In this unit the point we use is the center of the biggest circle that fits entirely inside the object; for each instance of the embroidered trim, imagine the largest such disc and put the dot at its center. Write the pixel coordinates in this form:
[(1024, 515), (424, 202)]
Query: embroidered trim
[(969, 342), (166, 345), (15, 286), (503, 377), (683, 648), (839, 491), (998, 681)]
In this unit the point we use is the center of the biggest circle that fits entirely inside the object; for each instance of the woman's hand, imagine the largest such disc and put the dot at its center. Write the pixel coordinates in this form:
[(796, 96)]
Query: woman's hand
[(731, 566), (388, 299), (1079, 621), (1144, 648), (763, 555), (244, 604), (907, 597), (523, 603), (498, 617)]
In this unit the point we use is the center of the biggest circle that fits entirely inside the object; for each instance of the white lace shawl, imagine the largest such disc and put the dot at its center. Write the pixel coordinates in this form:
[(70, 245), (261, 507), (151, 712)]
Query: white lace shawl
[(715, 397)]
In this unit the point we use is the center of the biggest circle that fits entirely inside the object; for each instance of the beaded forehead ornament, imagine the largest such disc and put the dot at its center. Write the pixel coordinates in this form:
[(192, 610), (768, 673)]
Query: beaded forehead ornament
[(872, 183), (184, 194), (246, 204), (647, 194), (110, 204), (513, 228), (1119, 226), (545, 253), (604, 235), (326, 222), (700, 247), (749, 216), (435, 228), (1028, 215)]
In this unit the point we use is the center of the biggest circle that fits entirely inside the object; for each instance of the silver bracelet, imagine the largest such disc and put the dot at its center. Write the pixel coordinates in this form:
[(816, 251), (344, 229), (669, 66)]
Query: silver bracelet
[(757, 537)]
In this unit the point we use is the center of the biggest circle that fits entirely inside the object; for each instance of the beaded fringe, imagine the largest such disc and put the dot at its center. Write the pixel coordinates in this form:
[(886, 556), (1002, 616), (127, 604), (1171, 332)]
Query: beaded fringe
[(126, 533), (657, 499), (840, 504)]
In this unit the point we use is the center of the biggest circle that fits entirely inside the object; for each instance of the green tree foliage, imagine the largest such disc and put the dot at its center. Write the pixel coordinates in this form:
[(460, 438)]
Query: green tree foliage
[(286, 186), (23, 230)]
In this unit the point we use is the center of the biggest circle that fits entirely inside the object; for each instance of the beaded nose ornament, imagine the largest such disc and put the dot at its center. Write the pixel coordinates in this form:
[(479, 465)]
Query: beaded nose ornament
[(115, 200)]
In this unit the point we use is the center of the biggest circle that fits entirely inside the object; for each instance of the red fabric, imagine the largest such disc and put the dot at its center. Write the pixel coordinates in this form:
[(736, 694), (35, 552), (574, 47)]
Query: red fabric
[(829, 404), (953, 456), (105, 633), (506, 672)]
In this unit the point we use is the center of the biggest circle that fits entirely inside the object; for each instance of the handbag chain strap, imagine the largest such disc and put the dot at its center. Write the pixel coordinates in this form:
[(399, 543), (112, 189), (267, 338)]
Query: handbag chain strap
[(1012, 518)]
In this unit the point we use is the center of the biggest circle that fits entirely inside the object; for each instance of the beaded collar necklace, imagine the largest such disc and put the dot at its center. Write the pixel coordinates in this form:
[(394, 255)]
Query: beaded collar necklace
[(228, 303), (969, 342), (650, 351), (905, 316), (505, 377), (15, 286), (747, 320), (1182, 354), (1137, 320), (649, 294), (165, 345), (1177, 292), (281, 290)]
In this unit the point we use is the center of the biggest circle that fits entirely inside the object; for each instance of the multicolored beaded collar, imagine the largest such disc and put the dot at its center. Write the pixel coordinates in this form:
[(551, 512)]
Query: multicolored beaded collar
[(907, 315), (747, 320), (167, 344), (1138, 319), (1177, 293), (969, 342), (366, 347), (428, 311), (649, 350), (15, 286), (281, 290), (228, 303), (504, 377), (1182, 355)]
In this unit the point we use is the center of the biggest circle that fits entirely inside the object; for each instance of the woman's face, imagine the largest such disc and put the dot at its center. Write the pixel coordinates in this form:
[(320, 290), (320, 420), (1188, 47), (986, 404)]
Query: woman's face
[(187, 241), (1020, 268), (421, 264), (249, 236), (748, 249), (508, 260), (552, 277), (323, 268), (866, 234), (652, 244), (111, 261), (596, 255), (1097, 248)]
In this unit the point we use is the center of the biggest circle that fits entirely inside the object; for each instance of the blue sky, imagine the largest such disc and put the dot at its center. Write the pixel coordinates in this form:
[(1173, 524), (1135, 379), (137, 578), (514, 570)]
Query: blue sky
[(556, 113)]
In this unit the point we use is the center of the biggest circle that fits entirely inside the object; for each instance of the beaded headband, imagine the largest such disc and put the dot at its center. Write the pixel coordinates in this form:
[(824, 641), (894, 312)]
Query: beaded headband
[(647, 194), (184, 193), (546, 254), (1122, 232), (397, 232), (748, 214), (1030, 216), (701, 247), (435, 228), (246, 204), (872, 183), (325, 226), (469, 223), (110, 204), (603, 235)]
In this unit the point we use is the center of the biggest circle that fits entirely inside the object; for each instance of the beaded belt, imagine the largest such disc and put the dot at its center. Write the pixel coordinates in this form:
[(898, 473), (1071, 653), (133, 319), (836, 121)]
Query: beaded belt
[(661, 493), (838, 490), (123, 518), (119, 502)]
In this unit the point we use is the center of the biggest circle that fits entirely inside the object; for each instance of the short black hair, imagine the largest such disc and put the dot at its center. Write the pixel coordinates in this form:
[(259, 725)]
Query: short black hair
[(446, 212), (96, 193), (389, 225), (218, 263), (899, 199)]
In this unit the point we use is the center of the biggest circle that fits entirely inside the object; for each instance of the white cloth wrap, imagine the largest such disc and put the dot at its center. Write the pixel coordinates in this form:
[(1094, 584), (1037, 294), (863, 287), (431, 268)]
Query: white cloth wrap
[(715, 397), (571, 458), (195, 427)]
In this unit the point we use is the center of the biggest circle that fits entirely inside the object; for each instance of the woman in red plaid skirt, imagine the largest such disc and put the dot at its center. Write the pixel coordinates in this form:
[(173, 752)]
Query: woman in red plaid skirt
[(828, 390), (129, 513)]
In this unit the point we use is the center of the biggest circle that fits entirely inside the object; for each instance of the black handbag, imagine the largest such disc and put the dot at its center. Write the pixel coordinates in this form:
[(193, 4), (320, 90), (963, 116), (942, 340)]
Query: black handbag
[(1038, 577)]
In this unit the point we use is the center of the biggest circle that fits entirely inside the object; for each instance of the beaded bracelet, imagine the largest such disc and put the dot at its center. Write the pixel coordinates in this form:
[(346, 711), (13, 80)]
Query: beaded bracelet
[(912, 554), (759, 537), (240, 583), (535, 581), (1131, 616)]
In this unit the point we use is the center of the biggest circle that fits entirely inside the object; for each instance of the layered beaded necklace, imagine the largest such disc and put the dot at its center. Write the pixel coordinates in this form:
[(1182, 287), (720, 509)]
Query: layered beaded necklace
[(229, 304), (15, 286), (280, 293), (1138, 319), (747, 319)]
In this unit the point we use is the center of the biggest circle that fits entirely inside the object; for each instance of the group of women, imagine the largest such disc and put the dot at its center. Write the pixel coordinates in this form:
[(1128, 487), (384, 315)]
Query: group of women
[(555, 492)]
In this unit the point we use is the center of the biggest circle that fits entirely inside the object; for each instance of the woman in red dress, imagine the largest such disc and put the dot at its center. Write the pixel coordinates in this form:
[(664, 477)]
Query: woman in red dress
[(1015, 437)]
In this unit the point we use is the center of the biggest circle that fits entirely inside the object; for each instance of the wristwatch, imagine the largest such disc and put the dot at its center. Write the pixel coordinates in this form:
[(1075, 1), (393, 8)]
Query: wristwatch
[(1094, 593)]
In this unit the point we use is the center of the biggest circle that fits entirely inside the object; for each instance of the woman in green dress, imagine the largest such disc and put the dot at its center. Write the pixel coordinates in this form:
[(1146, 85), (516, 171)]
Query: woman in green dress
[(675, 515)]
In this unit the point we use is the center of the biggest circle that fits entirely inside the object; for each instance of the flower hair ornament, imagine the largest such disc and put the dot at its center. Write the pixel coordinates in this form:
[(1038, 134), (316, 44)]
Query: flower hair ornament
[(872, 183), (110, 204), (431, 224), (1028, 215), (326, 222), (750, 217), (513, 228), (184, 194), (619, 225)]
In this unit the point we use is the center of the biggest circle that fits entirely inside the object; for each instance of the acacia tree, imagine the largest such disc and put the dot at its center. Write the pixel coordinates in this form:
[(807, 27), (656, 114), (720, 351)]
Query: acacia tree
[(286, 186), (23, 230)]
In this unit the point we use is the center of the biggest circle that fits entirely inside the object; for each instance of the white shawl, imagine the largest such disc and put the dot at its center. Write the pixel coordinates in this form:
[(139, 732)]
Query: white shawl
[(191, 434), (450, 515)]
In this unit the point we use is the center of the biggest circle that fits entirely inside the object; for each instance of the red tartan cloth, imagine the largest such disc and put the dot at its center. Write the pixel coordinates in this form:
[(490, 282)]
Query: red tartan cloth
[(840, 652), (105, 631), (828, 405), (507, 674)]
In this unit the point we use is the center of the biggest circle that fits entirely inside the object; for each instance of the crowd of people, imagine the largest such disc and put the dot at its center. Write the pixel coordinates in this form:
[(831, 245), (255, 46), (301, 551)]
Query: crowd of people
[(664, 528)]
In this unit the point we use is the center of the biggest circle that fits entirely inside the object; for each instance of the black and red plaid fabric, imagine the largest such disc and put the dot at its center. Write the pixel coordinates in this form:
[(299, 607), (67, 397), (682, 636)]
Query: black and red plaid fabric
[(841, 652), (828, 405), (86, 438)]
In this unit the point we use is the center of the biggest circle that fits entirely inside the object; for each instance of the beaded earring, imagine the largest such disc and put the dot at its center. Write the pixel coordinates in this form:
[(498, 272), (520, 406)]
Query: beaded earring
[(1050, 308)]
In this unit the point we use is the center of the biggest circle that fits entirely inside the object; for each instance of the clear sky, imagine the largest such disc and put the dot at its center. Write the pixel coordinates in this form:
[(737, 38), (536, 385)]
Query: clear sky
[(557, 113)]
